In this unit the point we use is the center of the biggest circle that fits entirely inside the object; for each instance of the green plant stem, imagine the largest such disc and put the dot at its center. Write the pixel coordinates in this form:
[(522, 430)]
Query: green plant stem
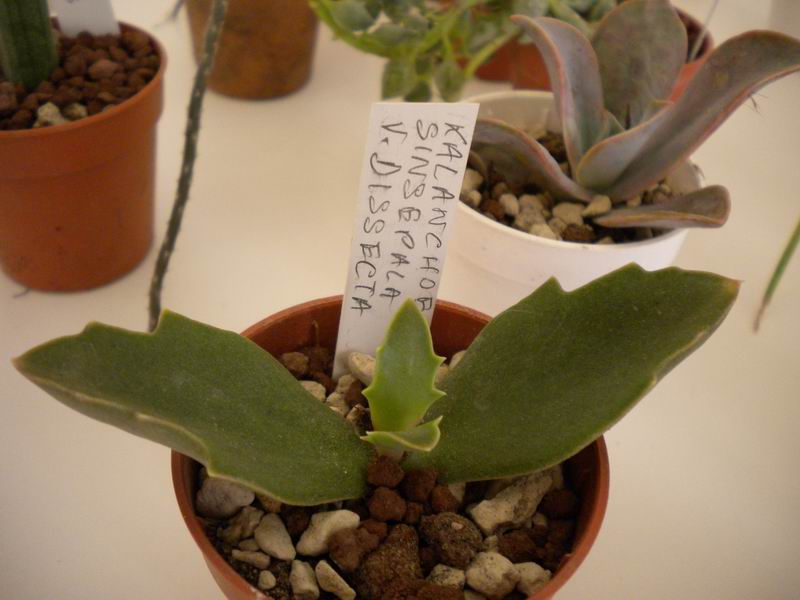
[(365, 43), (777, 274), (27, 49), (213, 29), (487, 51)]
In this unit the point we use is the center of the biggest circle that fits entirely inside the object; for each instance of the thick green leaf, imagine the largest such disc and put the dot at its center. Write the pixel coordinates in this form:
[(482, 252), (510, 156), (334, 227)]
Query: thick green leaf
[(733, 72), (399, 78), (641, 47), (706, 207), (352, 14), (422, 438), (402, 389), (212, 395), (575, 78), (553, 372), (562, 11), (521, 159), (449, 80)]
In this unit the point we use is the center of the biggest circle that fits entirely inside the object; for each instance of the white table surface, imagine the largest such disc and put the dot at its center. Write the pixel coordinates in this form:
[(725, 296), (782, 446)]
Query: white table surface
[(705, 491)]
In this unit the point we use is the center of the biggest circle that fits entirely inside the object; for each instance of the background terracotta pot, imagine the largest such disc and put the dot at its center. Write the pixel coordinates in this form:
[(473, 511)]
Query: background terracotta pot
[(453, 329), (76, 200), (527, 71), (266, 47)]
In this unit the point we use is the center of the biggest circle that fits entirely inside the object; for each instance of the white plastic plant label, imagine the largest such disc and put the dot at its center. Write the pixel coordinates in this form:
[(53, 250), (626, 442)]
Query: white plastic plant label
[(94, 16), (414, 164)]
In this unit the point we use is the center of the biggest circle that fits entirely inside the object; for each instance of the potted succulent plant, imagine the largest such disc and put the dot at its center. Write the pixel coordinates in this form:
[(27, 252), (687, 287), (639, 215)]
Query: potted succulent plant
[(379, 469), (265, 50), (78, 123), (608, 173)]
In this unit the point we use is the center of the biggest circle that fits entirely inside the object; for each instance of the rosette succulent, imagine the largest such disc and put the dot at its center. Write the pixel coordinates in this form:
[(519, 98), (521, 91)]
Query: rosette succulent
[(621, 132)]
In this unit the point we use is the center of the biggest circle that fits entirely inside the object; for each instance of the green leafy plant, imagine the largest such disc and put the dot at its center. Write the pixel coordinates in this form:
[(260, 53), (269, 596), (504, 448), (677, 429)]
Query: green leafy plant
[(440, 44), (621, 134), (540, 382), (777, 274), (27, 48)]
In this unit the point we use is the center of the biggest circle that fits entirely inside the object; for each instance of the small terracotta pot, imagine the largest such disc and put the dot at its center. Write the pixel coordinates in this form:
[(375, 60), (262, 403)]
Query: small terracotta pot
[(265, 49), (453, 329), (76, 200), (528, 72)]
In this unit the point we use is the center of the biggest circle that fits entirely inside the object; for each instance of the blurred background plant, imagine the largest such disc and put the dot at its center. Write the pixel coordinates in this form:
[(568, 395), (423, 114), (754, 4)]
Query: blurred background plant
[(438, 46), (777, 274)]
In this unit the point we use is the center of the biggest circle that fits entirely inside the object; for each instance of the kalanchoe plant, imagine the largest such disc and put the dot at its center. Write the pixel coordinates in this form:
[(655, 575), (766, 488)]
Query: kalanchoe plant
[(27, 47), (540, 382), (622, 134), (440, 44)]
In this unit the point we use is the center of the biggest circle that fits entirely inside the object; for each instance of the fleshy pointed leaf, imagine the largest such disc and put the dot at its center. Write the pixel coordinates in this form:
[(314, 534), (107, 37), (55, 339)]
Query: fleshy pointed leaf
[(605, 162), (575, 78), (707, 207), (521, 159), (562, 11), (553, 372), (212, 395), (737, 69), (422, 438), (402, 389), (641, 47)]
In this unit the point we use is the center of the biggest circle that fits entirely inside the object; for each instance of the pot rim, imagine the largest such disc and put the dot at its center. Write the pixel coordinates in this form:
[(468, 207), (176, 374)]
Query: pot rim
[(582, 545), (534, 239), (132, 102)]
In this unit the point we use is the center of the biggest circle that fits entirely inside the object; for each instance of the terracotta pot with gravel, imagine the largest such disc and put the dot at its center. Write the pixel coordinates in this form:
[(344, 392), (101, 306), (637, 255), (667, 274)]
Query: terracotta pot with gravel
[(465, 457), (266, 48), (78, 149)]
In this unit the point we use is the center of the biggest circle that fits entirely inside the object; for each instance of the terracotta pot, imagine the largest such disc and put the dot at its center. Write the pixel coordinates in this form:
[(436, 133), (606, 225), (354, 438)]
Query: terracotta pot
[(453, 329), (265, 49), (76, 200), (528, 72)]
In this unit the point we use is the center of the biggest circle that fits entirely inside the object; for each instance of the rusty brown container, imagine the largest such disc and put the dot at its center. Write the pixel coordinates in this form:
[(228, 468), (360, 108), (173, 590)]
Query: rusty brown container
[(76, 200), (453, 329), (266, 47)]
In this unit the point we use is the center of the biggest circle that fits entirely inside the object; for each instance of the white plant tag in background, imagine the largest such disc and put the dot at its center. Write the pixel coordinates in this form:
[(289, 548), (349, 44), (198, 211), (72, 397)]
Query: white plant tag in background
[(94, 16), (411, 178)]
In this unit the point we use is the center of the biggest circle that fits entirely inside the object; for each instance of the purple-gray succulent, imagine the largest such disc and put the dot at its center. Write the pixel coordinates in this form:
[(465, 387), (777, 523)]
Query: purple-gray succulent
[(621, 132)]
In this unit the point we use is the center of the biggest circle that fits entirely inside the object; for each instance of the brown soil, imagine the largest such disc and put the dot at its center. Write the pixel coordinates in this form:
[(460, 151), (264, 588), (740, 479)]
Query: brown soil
[(95, 72)]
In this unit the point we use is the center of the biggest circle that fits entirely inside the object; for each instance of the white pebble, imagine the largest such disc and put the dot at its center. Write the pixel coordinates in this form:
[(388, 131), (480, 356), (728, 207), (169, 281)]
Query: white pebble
[(529, 201), (634, 202), (330, 581), (249, 545), (48, 115), (362, 366), (440, 374), (539, 520), (337, 402), (557, 225), (544, 230), (314, 388), (532, 577), (221, 499), (269, 504), (458, 490), (273, 538), (598, 206), (344, 383), (528, 217), (472, 181), (569, 212), (75, 111), (314, 540), (242, 525), (447, 576), (492, 574), (258, 559), (473, 198), (472, 595), (514, 505), (303, 582), (608, 240), (457, 358), (266, 580), (510, 204)]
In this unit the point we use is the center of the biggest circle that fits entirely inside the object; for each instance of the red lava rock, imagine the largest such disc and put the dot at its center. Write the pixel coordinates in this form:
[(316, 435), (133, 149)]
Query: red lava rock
[(386, 505), (418, 484), (384, 472), (319, 357), (8, 99), (353, 395), (442, 500), (414, 512), (559, 504), (107, 97), (427, 558), (296, 519), (134, 40), (75, 65), (538, 534), (45, 87), (30, 103), (58, 74), (455, 539), (517, 546), (94, 107), (493, 207), (582, 234), (295, 362), (347, 547), (396, 559), (22, 119), (377, 528), (103, 69), (119, 79), (118, 54), (418, 589), (560, 532)]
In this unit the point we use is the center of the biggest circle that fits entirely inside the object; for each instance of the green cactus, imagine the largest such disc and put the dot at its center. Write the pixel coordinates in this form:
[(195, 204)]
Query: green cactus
[(27, 48), (622, 134)]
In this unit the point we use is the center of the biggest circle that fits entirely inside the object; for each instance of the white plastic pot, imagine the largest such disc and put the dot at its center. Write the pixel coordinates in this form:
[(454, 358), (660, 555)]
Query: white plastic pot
[(492, 266)]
